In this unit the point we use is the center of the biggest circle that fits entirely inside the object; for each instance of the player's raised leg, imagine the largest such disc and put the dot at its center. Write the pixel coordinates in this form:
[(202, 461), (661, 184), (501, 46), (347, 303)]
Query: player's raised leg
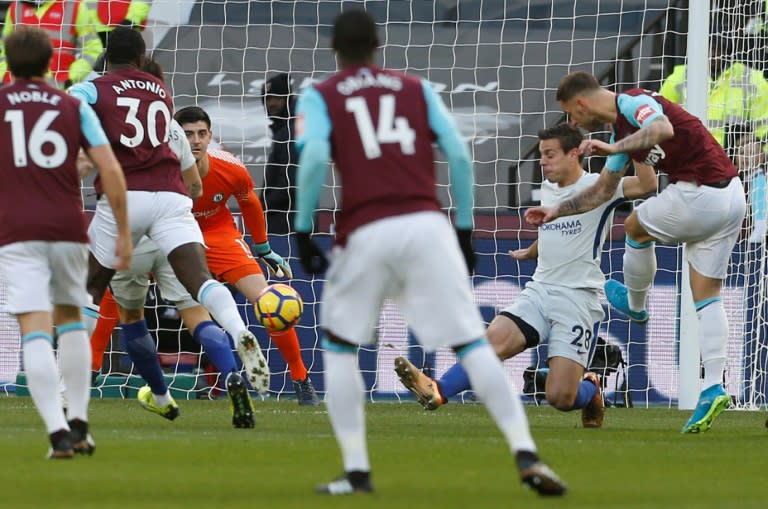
[(188, 262)]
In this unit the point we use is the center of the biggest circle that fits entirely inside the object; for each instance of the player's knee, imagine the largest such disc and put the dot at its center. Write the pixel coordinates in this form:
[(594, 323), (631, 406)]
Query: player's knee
[(131, 315), (635, 230), (562, 398), (509, 335)]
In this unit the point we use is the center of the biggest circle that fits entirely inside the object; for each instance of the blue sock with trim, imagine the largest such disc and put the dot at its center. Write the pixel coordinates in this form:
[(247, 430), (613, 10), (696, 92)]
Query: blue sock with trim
[(585, 394), (216, 344), (143, 353), (454, 381)]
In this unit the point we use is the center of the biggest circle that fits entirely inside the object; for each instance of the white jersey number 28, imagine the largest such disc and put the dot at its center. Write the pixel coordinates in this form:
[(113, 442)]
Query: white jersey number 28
[(390, 129)]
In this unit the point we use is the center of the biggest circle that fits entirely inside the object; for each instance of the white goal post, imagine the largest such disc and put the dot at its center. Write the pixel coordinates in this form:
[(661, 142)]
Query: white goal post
[(496, 64)]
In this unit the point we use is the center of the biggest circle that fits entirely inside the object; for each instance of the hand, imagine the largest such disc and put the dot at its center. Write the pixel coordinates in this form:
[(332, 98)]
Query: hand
[(540, 215), (596, 147), (311, 256), (757, 235), (277, 265), (123, 252), (521, 254), (84, 164), (465, 243)]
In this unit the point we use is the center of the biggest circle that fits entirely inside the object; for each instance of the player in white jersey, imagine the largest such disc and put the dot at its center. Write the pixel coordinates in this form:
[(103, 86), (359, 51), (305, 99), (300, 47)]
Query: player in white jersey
[(561, 305)]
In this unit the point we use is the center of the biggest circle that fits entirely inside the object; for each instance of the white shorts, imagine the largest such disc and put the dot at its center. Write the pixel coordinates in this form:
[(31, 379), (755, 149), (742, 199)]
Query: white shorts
[(41, 274), (707, 219), (413, 259), (165, 217), (566, 318), (129, 287)]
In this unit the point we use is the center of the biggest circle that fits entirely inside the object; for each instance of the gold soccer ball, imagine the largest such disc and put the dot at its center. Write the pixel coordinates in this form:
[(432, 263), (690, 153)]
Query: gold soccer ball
[(278, 307)]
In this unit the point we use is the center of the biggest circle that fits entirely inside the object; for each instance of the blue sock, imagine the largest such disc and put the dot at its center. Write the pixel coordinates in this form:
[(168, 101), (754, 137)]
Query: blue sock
[(454, 381), (216, 344), (143, 353), (586, 392)]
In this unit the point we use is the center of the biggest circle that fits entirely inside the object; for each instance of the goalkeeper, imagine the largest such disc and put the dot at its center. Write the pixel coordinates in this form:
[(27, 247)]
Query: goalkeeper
[(562, 303), (229, 258)]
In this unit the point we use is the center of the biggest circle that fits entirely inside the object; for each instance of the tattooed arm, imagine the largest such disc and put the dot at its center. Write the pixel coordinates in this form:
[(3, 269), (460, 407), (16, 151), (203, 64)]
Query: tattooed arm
[(657, 131), (651, 134), (591, 197)]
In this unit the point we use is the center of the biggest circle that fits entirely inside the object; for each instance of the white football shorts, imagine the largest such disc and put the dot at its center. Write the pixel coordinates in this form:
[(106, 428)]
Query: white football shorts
[(165, 217), (707, 219), (129, 287), (413, 259), (566, 319), (40, 274)]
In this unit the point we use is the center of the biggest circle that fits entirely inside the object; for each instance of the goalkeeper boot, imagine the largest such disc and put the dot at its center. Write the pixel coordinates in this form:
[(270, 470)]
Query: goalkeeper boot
[(616, 293), (305, 392), (82, 441), (147, 402), (425, 389), (712, 402), (593, 413), (240, 402), (61, 445), (256, 367), (537, 476), (349, 483)]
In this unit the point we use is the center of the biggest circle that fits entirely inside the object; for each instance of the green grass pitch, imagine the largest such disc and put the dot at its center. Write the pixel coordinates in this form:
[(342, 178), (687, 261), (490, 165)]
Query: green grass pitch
[(454, 457)]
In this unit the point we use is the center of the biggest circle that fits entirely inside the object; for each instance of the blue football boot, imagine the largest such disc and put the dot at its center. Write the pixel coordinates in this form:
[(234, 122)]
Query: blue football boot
[(712, 402), (616, 293)]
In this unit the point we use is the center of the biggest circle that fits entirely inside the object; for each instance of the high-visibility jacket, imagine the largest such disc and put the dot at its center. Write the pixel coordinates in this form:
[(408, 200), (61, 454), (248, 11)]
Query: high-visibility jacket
[(66, 22), (738, 96), (113, 13)]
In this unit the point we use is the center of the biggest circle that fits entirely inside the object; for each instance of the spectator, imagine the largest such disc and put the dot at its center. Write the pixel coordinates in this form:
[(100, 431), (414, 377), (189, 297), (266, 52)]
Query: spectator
[(737, 118), (69, 25), (279, 192), (738, 95), (113, 13)]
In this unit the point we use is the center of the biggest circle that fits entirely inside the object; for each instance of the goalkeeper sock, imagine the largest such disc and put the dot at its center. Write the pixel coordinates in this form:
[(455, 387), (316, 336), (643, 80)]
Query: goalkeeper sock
[(288, 343), (639, 269), (43, 379), (346, 408), (143, 353), (584, 395), (74, 363), (219, 302), (108, 319), (713, 339), (217, 346), (487, 377), (454, 381)]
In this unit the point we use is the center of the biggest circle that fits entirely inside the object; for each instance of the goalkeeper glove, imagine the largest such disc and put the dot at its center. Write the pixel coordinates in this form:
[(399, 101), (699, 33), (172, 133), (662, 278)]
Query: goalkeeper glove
[(275, 263), (465, 243), (311, 256)]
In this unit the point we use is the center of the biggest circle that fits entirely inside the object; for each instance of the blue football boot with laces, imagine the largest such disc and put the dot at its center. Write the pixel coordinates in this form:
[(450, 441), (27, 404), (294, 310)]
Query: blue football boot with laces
[(712, 402), (616, 293)]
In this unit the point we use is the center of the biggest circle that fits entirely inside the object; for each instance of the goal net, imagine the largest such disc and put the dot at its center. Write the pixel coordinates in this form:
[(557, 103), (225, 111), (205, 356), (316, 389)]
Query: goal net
[(497, 66)]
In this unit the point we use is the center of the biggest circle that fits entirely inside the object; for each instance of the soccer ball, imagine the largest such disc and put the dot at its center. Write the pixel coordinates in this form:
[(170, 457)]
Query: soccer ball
[(278, 307)]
